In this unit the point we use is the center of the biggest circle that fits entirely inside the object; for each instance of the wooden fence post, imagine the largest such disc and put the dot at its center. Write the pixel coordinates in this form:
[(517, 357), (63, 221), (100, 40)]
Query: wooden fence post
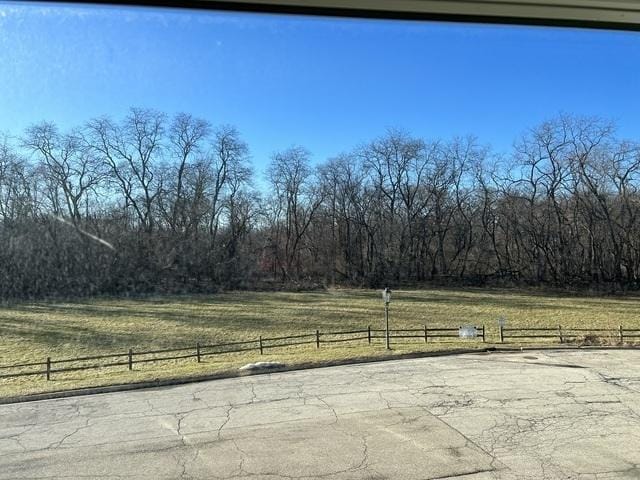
[(369, 334), (560, 333), (621, 335), (48, 368), (260, 344), (317, 338), (130, 359), (198, 351), (501, 334), (483, 339), (425, 334)]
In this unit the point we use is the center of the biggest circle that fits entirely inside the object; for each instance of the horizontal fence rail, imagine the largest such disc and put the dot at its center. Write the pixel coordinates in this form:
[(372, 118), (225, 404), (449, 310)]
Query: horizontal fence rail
[(202, 350), (567, 334), (426, 333)]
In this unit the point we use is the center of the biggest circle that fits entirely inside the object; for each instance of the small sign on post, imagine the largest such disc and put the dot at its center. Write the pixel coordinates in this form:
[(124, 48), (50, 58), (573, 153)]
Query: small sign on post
[(386, 295), (501, 323)]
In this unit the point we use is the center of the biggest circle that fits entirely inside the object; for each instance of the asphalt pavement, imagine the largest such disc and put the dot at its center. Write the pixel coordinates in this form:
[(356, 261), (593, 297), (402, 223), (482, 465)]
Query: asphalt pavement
[(561, 414)]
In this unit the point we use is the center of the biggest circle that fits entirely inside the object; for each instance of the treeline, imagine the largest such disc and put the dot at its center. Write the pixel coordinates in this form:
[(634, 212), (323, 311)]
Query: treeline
[(157, 204)]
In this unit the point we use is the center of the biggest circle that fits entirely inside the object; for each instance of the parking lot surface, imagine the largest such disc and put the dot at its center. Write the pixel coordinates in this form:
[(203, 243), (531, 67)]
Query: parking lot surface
[(561, 414)]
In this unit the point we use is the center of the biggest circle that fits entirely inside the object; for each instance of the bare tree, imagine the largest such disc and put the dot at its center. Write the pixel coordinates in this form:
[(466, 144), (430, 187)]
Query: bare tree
[(131, 152), (67, 164), (187, 137), (297, 199)]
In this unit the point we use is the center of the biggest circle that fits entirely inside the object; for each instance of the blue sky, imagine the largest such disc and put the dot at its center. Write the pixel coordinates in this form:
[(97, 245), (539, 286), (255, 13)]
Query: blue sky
[(326, 84)]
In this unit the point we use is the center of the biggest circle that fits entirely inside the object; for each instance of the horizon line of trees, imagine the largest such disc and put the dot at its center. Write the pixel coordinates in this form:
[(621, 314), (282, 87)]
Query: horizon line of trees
[(157, 204)]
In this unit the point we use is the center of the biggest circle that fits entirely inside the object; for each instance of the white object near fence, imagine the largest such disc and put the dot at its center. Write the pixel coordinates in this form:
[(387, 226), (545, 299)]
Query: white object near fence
[(467, 331), (261, 366)]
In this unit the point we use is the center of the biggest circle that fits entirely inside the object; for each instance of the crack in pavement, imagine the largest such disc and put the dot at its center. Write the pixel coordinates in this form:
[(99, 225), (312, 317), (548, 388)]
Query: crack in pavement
[(508, 421)]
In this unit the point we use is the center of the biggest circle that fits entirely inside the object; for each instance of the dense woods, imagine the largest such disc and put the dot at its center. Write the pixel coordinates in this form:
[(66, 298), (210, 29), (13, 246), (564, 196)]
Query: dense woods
[(150, 203)]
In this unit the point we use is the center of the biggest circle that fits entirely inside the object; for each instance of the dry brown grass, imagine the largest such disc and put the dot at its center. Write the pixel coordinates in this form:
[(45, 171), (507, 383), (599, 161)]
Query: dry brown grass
[(34, 331)]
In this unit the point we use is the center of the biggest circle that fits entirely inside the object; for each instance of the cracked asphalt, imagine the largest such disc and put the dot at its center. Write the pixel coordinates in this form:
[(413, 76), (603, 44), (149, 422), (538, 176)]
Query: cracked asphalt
[(562, 414)]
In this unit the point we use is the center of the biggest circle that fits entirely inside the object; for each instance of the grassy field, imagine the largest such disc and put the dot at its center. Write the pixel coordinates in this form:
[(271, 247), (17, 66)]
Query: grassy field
[(33, 331)]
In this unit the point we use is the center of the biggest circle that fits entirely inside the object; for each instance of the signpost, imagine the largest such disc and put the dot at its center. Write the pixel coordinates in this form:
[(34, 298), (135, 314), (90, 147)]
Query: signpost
[(501, 323), (386, 297)]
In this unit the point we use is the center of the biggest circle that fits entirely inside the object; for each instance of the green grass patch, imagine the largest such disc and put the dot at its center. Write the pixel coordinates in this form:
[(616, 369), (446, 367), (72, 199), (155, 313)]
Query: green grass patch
[(30, 332)]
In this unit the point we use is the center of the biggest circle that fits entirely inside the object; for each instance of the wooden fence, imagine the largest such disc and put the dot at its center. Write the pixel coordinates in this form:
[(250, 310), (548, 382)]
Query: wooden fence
[(567, 334), (202, 350)]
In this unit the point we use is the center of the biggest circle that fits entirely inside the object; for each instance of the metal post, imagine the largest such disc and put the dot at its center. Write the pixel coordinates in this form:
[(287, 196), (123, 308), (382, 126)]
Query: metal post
[(198, 351), (369, 334), (425, 334), (501, 333), (560, 333), (621, 335), (483, 339), (260, 343), (130, 359), (317, 338), (48, 368), (386, 317)]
